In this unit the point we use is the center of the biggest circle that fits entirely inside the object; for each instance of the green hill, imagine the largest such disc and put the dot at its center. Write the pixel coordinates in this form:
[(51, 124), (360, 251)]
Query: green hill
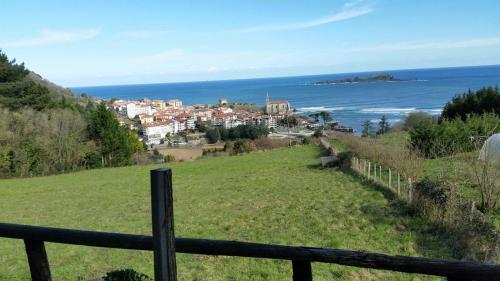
[(279, 196)]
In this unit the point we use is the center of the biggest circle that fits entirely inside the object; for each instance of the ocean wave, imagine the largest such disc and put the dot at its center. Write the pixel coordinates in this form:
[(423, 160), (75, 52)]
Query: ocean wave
[(399, 111), (322, 108), (388, 110)]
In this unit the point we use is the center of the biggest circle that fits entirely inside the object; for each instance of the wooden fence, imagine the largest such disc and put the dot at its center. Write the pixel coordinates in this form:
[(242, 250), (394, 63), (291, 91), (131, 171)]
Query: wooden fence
[(164, 246)]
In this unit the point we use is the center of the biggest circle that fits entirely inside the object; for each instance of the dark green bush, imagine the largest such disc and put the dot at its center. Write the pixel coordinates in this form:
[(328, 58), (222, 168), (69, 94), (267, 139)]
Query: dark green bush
[(433, 140), (125, 275)]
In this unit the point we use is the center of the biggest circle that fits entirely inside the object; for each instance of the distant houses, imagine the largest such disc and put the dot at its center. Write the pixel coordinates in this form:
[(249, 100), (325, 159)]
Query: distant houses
[(157, 119)]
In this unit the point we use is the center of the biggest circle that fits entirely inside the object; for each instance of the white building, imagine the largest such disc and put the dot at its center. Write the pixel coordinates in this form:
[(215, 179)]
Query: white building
[(136, 109), (265, 120), (154, 132)]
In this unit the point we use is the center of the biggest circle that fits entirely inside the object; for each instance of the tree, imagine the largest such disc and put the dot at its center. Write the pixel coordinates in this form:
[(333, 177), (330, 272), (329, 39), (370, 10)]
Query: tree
[(479, 102), (213, 135), (367, 128), (112, 139), (384, 125), (315, 116), (201, 127), (326, 116)]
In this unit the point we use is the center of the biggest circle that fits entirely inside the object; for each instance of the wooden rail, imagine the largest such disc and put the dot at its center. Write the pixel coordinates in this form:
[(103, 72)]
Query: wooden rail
[(164, 245)]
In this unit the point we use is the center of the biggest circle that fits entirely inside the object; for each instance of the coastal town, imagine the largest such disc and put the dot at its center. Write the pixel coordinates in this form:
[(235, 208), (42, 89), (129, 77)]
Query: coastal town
[(168, 122)]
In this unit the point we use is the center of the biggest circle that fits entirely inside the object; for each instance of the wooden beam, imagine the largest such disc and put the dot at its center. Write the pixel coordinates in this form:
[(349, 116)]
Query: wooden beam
[(438, 267), (37, 260), (301, 271), (163, 225)]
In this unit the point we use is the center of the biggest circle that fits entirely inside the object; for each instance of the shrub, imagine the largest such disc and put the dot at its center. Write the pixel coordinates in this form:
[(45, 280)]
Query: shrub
[(433, 140), (415, 118), (344, 160), (243, 146), (169, 158), (125, 275)]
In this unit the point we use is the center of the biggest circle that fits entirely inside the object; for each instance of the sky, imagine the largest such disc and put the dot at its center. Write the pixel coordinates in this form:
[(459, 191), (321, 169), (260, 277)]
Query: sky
[(84, 43)]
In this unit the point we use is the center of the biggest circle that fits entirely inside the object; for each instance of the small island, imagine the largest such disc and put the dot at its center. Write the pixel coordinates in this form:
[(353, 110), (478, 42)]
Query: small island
[(357, 79)]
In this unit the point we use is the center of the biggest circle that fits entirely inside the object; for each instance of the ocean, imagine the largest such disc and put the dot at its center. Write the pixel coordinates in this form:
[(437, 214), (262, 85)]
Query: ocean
[(351, 104)]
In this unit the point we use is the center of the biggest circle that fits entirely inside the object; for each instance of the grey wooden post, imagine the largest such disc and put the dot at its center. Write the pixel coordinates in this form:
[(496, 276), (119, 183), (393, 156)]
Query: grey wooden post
[(301, 271), (163, 225), (37, 260)]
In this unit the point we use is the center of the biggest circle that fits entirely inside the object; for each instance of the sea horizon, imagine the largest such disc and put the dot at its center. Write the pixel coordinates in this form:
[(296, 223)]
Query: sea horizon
[(286, 76)]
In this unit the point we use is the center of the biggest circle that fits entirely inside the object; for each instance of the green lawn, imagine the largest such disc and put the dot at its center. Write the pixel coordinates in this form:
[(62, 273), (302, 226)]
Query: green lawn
[(279, 196)]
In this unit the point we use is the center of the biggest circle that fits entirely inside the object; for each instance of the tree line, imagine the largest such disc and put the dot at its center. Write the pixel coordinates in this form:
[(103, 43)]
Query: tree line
[(239, 132)]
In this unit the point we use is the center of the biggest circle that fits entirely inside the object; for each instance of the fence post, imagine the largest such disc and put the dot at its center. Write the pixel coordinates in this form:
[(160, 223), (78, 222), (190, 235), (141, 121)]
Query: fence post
[(163, 225), (37, 260), (301, 271), (390, 178), (369, 168), (472, 208), (409, 190), (380, 172), (399, 184)]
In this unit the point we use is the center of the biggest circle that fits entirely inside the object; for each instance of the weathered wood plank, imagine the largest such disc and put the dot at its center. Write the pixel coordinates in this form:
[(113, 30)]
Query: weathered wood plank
[(445, 268), (301, 271), (163, 225), (37, 260)]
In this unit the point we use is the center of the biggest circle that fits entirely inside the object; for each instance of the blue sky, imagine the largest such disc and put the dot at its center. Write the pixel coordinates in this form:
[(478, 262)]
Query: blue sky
[(76, 43)]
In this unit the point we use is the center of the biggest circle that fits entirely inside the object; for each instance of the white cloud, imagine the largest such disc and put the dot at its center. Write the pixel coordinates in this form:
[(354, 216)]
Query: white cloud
[(52, 37), (349, 11), (437, 45)]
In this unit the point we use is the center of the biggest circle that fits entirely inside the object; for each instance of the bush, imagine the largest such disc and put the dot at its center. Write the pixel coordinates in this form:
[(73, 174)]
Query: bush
[(415, 118), (433, 140), (344, 160), (243, 146), (125, 275)]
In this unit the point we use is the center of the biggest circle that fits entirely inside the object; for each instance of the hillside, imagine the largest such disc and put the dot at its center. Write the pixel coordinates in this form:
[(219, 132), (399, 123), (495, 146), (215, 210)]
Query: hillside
[(279, 196)]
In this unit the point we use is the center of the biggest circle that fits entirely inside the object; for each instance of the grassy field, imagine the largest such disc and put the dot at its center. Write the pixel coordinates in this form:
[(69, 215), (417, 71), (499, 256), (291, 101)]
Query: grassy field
[(279, 196)]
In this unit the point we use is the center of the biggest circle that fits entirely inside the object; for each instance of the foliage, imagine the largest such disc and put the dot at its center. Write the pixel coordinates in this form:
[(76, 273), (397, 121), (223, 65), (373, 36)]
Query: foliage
[(479, 102), (243, 146), (213, 135), (239, 132), (201, 127), (451, 136), (384, 126), (112, 140), (367, 129), (315, 116), (125, 275), (415, 118), (326, 116), (41, 143), (289, 120)]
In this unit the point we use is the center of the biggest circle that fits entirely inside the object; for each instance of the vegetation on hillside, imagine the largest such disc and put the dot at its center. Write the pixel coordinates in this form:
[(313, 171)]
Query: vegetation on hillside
[(44, 129)]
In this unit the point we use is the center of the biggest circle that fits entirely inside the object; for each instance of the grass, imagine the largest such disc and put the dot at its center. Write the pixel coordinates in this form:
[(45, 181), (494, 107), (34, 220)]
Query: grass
[(279, 196)]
